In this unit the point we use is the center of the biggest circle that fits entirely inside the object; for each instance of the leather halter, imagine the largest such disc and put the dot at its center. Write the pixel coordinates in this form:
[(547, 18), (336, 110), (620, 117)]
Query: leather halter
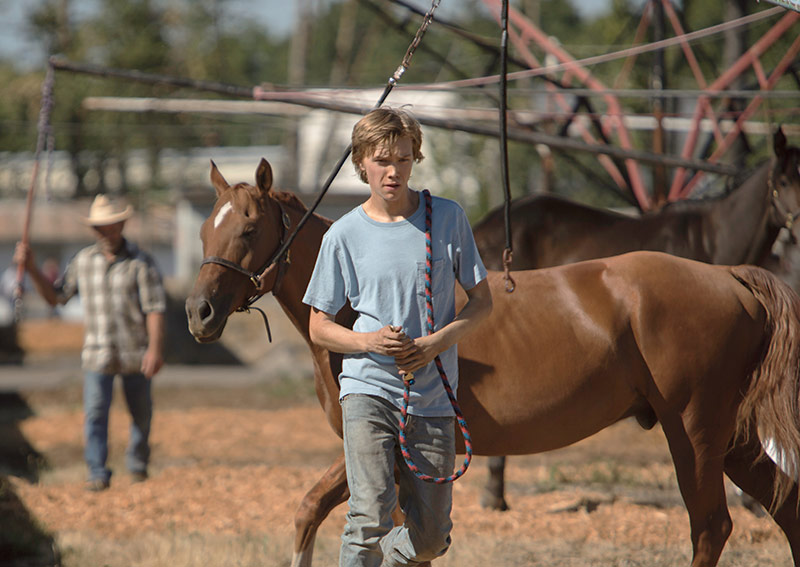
[(282, 260), (790, 217)]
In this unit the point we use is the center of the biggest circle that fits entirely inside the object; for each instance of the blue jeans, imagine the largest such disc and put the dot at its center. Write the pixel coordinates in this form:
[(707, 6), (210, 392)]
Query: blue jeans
[(372, 448), (97, 393)]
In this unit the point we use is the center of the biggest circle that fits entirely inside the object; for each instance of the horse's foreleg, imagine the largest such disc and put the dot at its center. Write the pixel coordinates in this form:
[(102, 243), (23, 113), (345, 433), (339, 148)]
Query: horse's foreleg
[(697, 453), (493, 496), (756, 479), (330, 491)]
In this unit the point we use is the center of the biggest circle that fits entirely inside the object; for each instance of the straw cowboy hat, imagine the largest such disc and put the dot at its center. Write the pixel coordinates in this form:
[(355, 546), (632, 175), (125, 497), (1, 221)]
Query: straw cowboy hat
[(104, 212)]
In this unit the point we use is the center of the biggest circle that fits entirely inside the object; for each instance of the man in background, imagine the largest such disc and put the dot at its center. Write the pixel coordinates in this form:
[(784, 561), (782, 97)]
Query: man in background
[(123, 303)]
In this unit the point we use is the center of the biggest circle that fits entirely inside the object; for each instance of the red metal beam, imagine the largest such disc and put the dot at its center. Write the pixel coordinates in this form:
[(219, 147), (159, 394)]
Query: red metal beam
[(749, 59), (612, 124), (766, 84), (613, 121)]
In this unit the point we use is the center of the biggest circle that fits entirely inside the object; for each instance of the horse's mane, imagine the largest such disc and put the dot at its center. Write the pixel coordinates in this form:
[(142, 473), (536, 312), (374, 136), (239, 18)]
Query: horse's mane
[(708, 199), (791, 156), (241, 193), (293, 201), (290, 199), (713, 196)]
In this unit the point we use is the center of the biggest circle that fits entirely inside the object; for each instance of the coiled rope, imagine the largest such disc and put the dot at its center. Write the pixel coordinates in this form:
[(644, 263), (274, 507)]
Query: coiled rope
[(462, 423)]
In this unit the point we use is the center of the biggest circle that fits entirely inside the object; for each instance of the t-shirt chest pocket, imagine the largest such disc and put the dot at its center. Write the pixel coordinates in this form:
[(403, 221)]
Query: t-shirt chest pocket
[(439, 276)]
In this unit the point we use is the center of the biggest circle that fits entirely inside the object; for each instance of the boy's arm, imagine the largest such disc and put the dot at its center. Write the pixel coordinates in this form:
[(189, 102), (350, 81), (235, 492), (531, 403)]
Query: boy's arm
[(326, 332), (476, 310)]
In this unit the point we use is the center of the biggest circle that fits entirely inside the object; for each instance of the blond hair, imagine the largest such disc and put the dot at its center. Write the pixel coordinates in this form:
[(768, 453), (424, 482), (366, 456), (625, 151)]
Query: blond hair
[(383, 127)]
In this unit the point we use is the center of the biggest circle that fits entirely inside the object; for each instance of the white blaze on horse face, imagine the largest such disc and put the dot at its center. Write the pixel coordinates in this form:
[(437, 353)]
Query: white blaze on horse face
[(223, 210)]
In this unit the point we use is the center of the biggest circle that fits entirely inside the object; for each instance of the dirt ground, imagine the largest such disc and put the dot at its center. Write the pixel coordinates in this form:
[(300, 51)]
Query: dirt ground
[(231, 463)]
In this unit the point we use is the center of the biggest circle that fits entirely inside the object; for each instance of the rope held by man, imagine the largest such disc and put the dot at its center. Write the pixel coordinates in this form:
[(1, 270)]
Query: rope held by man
[(43, 138), (407, 383)]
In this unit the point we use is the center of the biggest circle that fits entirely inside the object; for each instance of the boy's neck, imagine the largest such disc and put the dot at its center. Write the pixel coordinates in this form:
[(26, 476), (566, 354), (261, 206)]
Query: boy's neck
[(381, 210)]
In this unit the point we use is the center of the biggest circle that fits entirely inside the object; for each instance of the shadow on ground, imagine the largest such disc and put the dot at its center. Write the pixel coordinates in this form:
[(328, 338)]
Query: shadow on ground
[(22, 540), (32, 339), (181, 348), (10, 351)]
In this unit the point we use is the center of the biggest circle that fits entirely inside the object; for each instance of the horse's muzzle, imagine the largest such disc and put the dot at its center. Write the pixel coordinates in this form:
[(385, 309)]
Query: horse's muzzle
[(205, 322)]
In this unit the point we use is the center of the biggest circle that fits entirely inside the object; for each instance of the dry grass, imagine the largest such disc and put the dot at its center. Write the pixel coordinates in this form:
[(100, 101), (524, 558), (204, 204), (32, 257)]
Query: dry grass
[(50, 336), (230, 466), (226, 482)]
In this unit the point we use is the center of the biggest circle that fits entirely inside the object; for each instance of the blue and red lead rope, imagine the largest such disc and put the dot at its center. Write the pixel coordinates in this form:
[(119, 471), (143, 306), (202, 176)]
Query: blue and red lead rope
[(462, 423)]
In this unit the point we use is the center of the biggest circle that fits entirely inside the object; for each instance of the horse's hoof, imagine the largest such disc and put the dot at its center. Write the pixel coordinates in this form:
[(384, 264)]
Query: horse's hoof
[(492, 502)]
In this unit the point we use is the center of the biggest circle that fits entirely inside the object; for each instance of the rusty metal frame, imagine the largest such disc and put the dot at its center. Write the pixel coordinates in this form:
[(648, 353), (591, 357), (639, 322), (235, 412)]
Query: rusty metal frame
[(522, 32), (749, 59), (526, 31)]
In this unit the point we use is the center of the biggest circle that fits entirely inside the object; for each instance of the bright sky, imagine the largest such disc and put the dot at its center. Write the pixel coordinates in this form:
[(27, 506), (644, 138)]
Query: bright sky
[(276, 16)]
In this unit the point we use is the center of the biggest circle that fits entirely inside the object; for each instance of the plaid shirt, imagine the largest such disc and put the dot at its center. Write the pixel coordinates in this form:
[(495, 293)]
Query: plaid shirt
[(116, 297)]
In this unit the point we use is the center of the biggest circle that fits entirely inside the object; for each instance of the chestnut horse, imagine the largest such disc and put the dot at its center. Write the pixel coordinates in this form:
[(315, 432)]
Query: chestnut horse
[(739, 228), (711, 352)]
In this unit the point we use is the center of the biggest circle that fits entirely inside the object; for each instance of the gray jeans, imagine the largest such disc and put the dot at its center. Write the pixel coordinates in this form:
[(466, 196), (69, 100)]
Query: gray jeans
[(371, 448)]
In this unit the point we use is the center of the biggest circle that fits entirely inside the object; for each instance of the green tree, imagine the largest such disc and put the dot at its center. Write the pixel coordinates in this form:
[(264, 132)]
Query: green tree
[(180, 38)]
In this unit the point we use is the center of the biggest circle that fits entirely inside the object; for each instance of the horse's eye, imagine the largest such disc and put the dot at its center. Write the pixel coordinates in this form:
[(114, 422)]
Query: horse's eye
[(249, 232)]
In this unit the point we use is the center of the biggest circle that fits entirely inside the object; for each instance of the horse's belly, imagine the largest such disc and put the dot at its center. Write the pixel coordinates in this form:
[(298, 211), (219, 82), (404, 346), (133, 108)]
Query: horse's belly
[(547, 411), (555, 363)]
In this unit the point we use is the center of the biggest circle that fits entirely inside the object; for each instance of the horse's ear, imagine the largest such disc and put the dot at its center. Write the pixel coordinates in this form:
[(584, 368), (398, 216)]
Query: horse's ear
[(217, 180), (779, 142), (264, 176)]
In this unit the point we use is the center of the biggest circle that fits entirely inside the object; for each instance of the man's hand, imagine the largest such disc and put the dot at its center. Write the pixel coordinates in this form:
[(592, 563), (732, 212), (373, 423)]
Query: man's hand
[(421, 355), (392, 341), (151, 363), (153, 358), (425, 349), (24, 255), (389, 341)]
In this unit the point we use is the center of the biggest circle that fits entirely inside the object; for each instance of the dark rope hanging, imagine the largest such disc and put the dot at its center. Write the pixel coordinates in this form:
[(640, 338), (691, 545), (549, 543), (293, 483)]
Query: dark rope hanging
[(508, 253)]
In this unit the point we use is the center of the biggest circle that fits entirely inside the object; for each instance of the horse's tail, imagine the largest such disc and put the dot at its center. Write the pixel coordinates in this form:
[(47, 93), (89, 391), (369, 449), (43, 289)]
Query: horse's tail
[(771, 402)]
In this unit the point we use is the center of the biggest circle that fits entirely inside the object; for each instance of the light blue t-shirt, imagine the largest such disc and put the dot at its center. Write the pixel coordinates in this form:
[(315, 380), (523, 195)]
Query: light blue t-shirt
[(380, 268)]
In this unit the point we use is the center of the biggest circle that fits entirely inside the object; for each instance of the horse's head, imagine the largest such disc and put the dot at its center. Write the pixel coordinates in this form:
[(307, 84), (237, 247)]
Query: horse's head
[(245, 229), (785, 182)]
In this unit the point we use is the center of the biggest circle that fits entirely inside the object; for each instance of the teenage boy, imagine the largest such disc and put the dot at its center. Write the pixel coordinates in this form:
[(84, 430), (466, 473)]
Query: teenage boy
[(374, 257)]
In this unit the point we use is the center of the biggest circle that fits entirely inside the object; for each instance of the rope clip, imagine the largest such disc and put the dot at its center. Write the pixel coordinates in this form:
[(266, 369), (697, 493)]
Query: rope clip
[(508, 257)]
